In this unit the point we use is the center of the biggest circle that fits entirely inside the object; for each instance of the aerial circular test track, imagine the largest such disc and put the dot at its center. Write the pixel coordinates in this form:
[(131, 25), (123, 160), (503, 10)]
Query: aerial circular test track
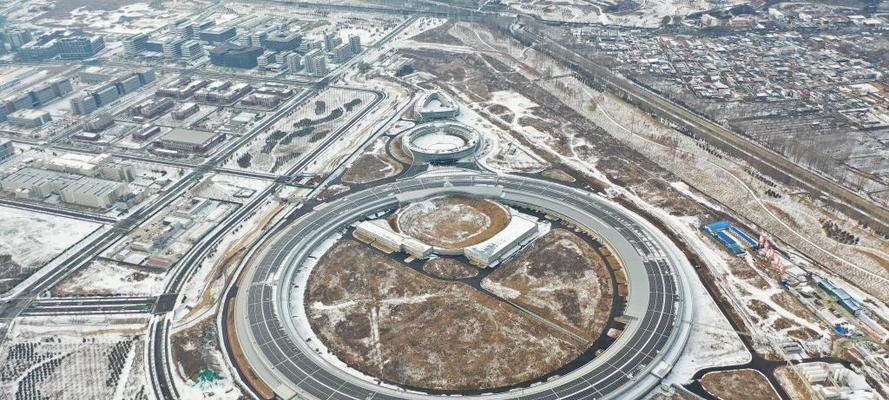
[(657, 313)]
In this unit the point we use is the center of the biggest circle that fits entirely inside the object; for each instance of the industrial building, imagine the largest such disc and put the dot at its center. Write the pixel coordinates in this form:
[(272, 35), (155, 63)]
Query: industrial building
[(182, 88), (192, 49), (222, 92), (95, 74), (835, 381), (135, 44), (74, 189), (185, 110), (841, 296), (189, 141), (171, 47), (35, 183), (101, 166), (67, 45), (93, 192), (98, 122), (235, 56), (29, 118), (521, 229), (146, 132), (80, 47)]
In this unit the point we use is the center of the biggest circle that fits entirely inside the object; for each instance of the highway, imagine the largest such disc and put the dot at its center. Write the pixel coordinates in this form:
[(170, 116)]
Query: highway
[(61, 306), (657, 313)]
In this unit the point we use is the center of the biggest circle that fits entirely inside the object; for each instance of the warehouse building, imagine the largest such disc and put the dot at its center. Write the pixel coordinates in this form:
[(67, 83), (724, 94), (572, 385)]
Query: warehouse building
[(190, 141), (35, 183), (841, 296), (102, 166), (93, 192)]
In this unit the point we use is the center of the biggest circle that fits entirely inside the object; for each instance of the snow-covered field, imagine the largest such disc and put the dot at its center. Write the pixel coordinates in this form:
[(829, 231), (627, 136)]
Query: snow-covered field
[(107, 278), (646, 14), (132, 18), (33, 239)]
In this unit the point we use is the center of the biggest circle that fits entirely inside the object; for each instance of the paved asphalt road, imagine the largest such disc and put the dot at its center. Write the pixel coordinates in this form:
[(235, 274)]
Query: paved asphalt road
[(655, 334)]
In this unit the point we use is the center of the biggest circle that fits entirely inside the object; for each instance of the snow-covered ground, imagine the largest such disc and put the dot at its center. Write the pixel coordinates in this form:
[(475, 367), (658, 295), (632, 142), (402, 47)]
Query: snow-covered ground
[(33, 239), (136, 17), (647, 14), (502, 152), (73, 358), (105, 277), (201, 301)]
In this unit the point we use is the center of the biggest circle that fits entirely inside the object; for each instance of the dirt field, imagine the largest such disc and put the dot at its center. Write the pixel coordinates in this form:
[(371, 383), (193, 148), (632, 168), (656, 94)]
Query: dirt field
[(745, 384), (389, 321), (374, 164), (558, 175), (438, 34), (452, 222), (188, 348), (449, 268), (560, 277)]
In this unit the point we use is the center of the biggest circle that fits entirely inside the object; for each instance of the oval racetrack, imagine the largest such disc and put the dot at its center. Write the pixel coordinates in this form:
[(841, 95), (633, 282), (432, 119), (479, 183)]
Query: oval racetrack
[(657, 312)]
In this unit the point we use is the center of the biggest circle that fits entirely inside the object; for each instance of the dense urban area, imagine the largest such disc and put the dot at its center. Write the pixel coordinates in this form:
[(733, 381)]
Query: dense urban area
[(426, 199)]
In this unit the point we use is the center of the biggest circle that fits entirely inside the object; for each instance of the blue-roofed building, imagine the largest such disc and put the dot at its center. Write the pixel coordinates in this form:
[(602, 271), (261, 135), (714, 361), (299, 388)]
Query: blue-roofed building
[(733, 239), (842, 296)]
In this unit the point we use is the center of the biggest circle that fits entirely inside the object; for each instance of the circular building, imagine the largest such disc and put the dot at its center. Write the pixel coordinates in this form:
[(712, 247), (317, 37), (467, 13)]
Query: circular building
[(442, 141), (435, 105), (273, 332)]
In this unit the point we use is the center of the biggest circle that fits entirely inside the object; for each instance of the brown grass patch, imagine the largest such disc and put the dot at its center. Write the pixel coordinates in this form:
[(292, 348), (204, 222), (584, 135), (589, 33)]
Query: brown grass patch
[(453, 222), (744, 384), (558, 175), (389, 321), (240, 361), (449, 268), (561, 278)]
